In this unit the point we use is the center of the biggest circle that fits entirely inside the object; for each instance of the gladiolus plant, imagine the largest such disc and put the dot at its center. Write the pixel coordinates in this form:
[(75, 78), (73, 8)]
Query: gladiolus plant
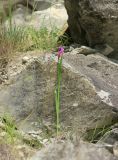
[(57, 90)]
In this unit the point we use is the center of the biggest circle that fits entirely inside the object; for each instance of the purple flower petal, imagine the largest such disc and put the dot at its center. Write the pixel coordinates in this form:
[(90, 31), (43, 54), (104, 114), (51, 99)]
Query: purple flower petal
[(60, 52)]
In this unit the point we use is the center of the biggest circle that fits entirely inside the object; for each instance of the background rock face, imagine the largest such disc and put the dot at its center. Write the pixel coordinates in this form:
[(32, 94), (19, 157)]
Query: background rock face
[(89, 92), (93, 22)]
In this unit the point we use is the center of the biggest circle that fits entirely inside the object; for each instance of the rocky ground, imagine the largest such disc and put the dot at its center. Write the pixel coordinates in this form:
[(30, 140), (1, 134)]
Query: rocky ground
[(89, 101), (89, 90)]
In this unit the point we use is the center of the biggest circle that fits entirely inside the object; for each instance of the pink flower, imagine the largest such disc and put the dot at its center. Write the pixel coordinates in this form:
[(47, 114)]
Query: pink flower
[(60, 52)]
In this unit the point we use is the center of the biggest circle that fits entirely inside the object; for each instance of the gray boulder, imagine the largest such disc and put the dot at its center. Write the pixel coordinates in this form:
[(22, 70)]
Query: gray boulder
[(89, 91), (70, 151), (93, 22), (44, 16)]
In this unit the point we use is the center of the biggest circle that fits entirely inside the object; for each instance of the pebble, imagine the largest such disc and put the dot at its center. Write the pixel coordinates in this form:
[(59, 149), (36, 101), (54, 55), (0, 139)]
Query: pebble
[(25, 60)]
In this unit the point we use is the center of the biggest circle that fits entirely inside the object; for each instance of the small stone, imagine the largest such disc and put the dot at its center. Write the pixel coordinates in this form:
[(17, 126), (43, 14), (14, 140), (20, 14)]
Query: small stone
[(115, 149), (75, 104), (25, 60), (104, 49), (2, 134), (21, 154), (45, 141), (2, 125), (71, 49), (83, 50)]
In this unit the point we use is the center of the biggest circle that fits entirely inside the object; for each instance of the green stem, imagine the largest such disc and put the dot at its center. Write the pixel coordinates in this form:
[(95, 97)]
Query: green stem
[(56, 100), (57, 94), (10, 14)]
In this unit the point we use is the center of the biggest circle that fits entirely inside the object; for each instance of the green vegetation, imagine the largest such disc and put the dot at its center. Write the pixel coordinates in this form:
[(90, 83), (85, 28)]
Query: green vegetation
[(34, 142), (10, 129), (57, 90), (18, 39), (94, 135), (12, 40), (43, 39), (14, 137)]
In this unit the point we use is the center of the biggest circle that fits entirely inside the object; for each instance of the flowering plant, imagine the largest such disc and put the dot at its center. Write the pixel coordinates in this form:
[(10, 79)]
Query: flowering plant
[(57, 90)]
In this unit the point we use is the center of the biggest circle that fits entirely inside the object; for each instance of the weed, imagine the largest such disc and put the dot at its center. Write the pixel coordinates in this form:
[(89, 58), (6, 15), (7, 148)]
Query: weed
[(94, 135), (12, 40), (43, 39), (17, 39), (9, 128), (34, 142)]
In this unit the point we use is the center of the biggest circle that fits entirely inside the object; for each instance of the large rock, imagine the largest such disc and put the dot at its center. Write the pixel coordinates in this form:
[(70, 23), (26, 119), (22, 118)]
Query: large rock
[(93, 22), (49, 17), (69, 151), (33, 4), (34, 13), (89, 91), (89, 88)]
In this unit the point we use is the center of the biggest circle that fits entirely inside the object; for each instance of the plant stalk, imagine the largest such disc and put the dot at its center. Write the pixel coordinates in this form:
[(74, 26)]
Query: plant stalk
[(57, 94)]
